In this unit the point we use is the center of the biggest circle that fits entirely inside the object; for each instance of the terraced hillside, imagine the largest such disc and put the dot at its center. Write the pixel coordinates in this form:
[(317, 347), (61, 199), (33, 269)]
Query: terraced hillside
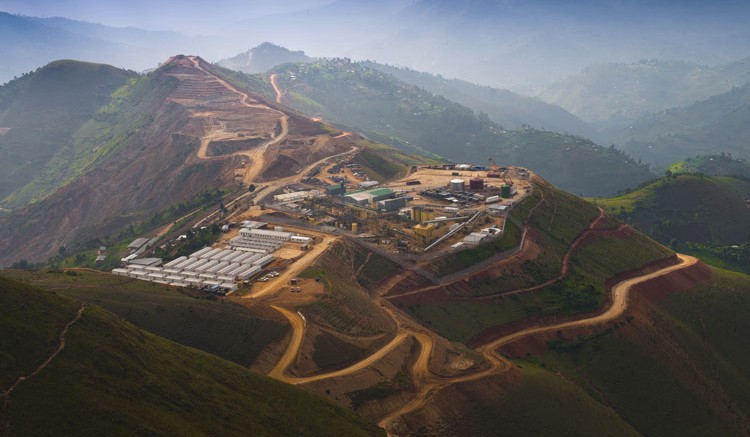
[(110, 377), (570, 251), (171, 137)]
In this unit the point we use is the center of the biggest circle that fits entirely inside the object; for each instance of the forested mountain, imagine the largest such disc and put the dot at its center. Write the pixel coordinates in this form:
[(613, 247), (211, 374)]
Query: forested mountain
[(694, 213)]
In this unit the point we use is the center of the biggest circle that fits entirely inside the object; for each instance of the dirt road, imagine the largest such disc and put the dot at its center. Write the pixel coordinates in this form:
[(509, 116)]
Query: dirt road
[(361, 365), (276, 88), (265, 288), (499, 364), (60, 346), (255, 154), (290, 354)]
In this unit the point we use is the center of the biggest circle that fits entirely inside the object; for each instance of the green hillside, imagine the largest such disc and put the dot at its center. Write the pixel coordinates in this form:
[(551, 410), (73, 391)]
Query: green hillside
[(713, 165), (681, 371), (112, 378), (415, 120), (674, 365), (221, 328), (540, 404), (54, 118), (715, 125), (701, 215), (556, 223), (611, 94), (504, 107)]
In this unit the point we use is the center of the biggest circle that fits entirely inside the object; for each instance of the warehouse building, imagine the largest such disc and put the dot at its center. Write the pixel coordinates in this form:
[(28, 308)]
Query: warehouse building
[(265, 234), (296, 196), (368, 197)]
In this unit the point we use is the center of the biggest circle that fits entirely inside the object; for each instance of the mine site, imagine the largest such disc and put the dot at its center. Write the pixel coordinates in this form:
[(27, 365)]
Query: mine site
[(398, 219)]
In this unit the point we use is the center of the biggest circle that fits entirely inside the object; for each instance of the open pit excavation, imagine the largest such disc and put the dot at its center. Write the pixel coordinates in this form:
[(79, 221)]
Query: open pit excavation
[(225, 114)]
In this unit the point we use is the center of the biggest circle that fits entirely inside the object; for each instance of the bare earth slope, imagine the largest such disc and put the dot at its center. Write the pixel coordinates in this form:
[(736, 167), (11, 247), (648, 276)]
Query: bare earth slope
[(164, 160)]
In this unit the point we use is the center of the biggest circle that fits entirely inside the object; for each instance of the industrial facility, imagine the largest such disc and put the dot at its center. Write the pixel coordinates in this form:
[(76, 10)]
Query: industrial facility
[(436, 206)]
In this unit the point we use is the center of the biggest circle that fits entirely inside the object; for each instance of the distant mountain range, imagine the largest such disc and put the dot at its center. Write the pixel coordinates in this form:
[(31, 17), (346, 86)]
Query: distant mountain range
[(715, 125), (27, 43), (608, 95), (503, 106), (516, 44), (416, 120), (262, 58)]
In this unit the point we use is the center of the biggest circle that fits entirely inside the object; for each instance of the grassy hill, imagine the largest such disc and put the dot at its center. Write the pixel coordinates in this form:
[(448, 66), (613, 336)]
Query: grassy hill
[(115, 379), (715, 125), (713, 165), (415, 120), (702, 215), (49, 115), (612, 94), (221, 328), (676, 365), (680, 370), (555, 224)]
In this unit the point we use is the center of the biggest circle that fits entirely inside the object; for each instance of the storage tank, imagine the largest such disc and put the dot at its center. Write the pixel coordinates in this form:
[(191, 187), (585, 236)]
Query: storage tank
[(457, 185), (476, 184)]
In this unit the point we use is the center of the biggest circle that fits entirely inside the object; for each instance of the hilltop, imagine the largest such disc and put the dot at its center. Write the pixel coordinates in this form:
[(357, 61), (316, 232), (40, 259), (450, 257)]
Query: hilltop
[(703, 215), (713, 165), (165, 139), (262, 58), (52, 125), (415, 120), (113, 378)]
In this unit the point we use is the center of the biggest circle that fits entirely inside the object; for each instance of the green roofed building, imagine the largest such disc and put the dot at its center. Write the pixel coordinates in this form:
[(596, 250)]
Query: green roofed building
[(335, 189), (364, 198)]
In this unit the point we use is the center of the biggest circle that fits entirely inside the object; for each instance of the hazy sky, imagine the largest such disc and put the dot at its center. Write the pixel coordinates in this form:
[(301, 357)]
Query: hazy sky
[(188, 16)]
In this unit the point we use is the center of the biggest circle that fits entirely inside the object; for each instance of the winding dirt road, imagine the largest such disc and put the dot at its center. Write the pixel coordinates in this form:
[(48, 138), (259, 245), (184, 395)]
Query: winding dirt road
[(499, 364), (60, 346), (256, 154)]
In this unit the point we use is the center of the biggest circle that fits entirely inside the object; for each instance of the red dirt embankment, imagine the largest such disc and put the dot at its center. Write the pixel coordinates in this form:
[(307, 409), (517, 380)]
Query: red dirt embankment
[(653, 291)]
